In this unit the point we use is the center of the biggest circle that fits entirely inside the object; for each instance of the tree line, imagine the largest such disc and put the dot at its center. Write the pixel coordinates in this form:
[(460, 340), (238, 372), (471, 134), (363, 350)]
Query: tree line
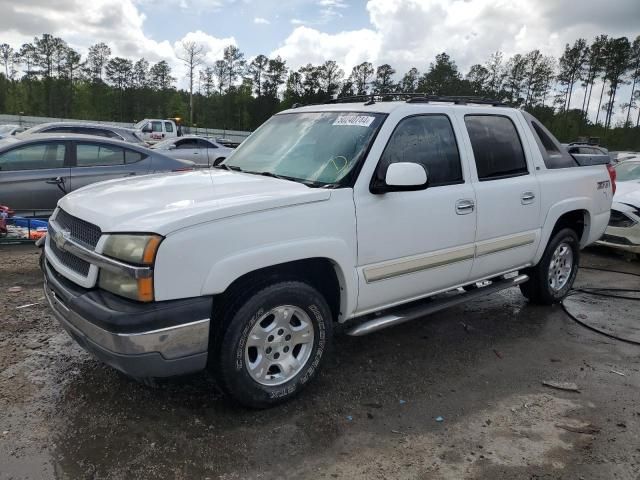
[(48, 77)]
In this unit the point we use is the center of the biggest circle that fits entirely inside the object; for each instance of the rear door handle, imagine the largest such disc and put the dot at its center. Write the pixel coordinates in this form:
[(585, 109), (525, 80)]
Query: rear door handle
[(527, 198), (465, 206), (55, 181)]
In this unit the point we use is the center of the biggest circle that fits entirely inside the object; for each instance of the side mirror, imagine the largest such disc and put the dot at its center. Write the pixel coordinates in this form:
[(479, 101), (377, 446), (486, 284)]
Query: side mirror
[(172, 147), (405, 176)]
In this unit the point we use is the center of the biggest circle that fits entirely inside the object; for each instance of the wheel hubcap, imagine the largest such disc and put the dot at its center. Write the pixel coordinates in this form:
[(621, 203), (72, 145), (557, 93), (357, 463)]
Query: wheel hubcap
[(279, 345), (561, 266)]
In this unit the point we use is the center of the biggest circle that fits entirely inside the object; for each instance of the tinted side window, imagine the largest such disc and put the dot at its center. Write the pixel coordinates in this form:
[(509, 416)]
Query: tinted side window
[(33, 157), (496, 147), (156, 127), (168, 126), (205, 144), (428, 140), (93, 155), (57, 130), (131, 156), (187, 143)]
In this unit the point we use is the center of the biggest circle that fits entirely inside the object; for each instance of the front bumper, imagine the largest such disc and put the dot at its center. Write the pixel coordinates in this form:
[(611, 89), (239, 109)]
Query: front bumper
[(158, 339)]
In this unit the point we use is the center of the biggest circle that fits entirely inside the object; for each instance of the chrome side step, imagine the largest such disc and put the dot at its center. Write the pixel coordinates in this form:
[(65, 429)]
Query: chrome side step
[(404, 314)]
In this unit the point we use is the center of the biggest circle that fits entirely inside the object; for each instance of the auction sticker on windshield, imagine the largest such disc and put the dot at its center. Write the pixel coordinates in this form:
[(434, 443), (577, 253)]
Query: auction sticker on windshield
[(355, 120)]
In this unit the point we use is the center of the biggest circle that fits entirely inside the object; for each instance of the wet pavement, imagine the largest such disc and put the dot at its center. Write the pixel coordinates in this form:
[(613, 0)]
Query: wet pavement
[(372, 412)]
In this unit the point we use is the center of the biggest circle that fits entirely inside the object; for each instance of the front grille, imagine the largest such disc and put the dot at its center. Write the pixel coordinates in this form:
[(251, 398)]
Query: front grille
[(81, 231), (68, 259)]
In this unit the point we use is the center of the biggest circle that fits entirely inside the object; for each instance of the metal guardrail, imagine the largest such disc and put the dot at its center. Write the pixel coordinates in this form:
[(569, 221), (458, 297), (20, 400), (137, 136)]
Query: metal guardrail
[(25, 226)]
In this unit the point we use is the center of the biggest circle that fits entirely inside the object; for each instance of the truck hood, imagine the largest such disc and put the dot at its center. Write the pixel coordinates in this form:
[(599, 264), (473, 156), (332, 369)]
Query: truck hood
[(167, 202), (628, 192)]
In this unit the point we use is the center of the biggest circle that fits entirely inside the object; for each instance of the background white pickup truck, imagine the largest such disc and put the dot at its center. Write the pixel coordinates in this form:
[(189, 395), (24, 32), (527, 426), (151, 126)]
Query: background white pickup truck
[(342, 212)]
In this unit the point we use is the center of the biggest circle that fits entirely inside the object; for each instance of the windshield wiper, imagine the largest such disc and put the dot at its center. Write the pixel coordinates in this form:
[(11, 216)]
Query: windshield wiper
[(233, 168)]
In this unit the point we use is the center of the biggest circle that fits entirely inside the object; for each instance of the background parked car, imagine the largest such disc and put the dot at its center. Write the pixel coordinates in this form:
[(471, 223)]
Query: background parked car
[(203, 151), (623, 231), (153, 130), (8, 130), (623, 156), (118, 133), (37, 171), (587, 154)]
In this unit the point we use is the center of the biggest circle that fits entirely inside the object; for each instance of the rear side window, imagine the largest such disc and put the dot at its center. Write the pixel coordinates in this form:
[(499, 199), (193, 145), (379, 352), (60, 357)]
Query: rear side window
[(428, 140), (33, 157), (94, 155), (131, 156), (554, 155), (168, 126), (496, 147), (187, 143)]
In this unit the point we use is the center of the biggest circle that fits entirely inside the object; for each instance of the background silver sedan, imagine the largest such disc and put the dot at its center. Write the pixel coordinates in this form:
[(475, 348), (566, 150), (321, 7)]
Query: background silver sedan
[(35, 172), (203, 151)]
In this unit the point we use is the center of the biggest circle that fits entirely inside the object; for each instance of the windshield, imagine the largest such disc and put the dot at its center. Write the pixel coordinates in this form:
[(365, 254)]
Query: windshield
[(164, 144), (318, 147), (627, 171), (7, 128)]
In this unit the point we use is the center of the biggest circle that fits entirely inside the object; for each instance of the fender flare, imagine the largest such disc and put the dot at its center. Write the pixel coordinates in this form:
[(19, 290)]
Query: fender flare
[(555, 212), (228, 269)]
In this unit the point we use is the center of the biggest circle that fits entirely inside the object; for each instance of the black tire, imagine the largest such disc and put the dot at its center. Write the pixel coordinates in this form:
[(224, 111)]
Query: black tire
[(242, 316), (538, 288)]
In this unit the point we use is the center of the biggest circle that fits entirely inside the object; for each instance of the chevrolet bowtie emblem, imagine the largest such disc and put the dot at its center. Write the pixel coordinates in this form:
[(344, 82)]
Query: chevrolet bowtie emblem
[(61, 237)]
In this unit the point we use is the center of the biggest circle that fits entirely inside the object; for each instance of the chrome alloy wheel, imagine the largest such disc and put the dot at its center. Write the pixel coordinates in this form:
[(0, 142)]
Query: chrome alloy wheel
[(279, 345), (560, 266)]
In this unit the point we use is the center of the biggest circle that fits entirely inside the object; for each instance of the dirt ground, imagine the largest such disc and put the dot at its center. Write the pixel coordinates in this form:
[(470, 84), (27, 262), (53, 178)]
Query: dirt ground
[(371, 414)]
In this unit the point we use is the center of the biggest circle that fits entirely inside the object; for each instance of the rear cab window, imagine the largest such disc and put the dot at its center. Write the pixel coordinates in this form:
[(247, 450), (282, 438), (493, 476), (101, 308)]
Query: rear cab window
[(553, 154), (497, 147), (168, 127)]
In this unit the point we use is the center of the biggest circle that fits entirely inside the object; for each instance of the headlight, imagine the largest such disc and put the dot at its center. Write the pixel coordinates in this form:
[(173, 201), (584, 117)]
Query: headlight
[(135, 249)]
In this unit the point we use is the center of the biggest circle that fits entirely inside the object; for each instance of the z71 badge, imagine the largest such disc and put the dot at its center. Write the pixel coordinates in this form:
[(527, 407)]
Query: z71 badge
[(604, 184)]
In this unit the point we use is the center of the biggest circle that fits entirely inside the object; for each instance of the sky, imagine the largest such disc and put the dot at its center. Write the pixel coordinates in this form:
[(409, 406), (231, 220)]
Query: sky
[(403, 33)]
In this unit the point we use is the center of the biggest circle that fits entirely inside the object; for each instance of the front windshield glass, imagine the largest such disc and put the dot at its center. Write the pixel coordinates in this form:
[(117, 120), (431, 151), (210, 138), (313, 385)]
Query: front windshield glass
[(164, 144), (626, 172), (317, 147)]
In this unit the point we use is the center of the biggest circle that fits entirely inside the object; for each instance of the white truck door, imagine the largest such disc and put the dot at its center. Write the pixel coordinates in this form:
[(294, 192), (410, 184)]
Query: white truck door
[(507, 193), (411, 243)]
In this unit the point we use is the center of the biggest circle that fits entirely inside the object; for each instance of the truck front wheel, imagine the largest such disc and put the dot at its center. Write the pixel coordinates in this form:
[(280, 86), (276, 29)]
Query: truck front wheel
[(550, 281), (274, 343)]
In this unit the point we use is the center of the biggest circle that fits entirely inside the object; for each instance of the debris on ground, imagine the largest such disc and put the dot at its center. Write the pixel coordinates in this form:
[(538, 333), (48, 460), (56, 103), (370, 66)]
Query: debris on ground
[(498, 354), (618, 373), (349, 418), (372, 405), (402, 402), (567, 386), (439, 419), (588, 429), (27, 305), (14, 289)]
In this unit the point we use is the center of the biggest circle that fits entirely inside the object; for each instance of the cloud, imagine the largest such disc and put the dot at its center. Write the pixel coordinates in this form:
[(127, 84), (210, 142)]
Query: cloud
[(308, 45), (261, 21)]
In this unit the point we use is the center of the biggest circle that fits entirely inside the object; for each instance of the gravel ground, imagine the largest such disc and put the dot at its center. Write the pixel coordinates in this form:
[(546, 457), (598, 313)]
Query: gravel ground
[(372, 413)]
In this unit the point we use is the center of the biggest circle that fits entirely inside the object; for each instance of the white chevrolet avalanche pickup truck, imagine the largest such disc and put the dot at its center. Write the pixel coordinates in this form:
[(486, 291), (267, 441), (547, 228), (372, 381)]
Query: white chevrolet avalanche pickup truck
[(366, 213)]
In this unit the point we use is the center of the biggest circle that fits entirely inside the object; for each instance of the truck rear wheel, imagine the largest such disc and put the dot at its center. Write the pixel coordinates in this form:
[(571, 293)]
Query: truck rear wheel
[(552, 278), (274, 343)]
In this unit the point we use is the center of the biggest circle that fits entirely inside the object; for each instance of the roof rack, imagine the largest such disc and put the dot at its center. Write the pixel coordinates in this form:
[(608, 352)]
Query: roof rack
[(419, 98)]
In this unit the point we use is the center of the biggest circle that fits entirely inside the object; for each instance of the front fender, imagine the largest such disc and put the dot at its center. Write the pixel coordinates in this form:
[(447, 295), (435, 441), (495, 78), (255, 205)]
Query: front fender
[(226, 270)]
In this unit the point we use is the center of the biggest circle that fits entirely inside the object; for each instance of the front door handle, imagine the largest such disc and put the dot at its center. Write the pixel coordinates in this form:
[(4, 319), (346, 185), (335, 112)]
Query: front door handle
[(527, 198), (465, 206), (55, 181)]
